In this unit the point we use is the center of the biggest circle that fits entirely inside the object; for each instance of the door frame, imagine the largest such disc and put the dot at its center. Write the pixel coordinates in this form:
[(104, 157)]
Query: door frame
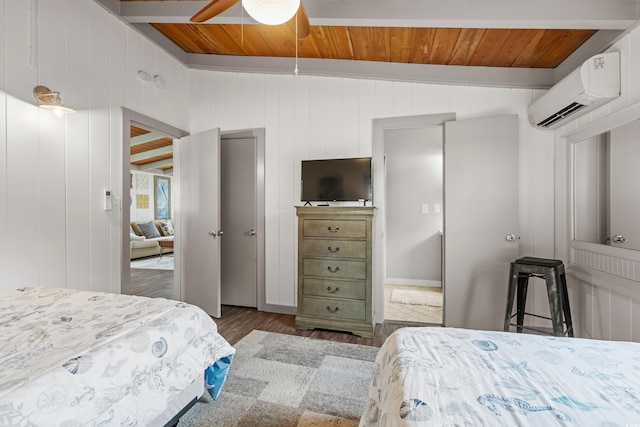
[(130, 117), (259, 135), (379, 197)]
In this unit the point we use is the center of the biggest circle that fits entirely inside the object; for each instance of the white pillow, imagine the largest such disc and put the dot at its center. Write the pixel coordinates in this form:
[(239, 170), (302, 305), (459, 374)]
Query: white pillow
[(133, 236)]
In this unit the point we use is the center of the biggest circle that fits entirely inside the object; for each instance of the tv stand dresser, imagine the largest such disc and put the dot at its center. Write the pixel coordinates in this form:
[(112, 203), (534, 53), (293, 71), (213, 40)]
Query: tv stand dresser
[(335, 269)]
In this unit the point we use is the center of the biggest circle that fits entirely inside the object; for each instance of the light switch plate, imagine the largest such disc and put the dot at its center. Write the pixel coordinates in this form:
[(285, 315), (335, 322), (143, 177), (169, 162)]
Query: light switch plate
[(436, 208), (425, 209)]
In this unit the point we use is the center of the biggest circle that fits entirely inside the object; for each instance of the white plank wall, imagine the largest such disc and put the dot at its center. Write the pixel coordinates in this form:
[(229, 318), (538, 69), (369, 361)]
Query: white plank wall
[(606, 296), (53, 170), (308, 117)]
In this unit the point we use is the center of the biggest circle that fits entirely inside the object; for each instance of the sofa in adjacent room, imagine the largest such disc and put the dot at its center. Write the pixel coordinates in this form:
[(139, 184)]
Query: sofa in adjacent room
[(145, 235)]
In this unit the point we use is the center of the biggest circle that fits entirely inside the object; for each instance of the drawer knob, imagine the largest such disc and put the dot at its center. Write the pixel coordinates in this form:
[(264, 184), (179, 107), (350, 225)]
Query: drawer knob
[(333, 230), (333, 271), (332, 310), (333, 251), (332, 291)]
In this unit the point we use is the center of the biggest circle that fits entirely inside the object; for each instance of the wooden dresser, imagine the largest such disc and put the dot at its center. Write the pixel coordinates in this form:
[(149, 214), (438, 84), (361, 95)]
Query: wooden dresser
[(334, 269)]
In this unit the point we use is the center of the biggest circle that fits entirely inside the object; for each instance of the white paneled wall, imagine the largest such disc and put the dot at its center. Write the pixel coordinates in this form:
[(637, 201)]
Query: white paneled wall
[(309, 117), (53, 171), (604, 289)]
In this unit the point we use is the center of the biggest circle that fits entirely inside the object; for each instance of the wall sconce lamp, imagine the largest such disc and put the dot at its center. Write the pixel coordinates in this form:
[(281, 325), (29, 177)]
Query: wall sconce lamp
[(50, 100)]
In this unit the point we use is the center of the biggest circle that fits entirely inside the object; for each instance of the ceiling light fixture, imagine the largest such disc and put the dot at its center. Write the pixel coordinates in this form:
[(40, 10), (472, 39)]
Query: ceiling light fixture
[(50, 100), (271, 12)]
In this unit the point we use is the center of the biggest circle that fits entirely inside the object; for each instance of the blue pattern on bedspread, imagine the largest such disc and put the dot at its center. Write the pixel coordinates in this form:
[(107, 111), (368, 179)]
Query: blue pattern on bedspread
[(77, 358), (459, 377)]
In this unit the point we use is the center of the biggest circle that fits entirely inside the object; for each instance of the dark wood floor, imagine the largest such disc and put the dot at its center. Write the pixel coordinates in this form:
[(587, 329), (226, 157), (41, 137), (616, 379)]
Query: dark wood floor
[(236, 322)]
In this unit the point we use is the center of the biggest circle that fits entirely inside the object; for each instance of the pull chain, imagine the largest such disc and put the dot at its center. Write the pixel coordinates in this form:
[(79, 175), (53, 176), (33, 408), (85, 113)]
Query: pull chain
[(295, 71)]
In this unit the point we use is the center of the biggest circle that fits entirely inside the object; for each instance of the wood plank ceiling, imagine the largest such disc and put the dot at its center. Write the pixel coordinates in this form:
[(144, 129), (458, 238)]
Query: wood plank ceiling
[(523, 48)]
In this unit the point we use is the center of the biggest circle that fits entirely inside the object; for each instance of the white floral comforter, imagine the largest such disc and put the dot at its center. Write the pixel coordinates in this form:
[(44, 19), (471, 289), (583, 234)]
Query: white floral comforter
[(459, 377), (75, 358)]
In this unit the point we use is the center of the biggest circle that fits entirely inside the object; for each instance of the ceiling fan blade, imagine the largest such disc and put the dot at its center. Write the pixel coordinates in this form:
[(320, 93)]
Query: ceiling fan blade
[(214, 8), (304, 28)]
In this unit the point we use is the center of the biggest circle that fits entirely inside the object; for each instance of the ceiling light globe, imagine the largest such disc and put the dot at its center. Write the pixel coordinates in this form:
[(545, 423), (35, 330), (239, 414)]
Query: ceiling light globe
[(271, 12)]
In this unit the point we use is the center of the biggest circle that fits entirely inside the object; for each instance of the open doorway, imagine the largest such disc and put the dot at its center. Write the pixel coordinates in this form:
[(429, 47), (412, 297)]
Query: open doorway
[(401, 212), (414, 224), (148, 261)]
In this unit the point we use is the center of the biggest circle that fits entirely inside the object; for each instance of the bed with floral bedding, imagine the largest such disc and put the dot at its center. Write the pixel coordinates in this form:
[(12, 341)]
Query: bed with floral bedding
[(459, 377), (77, 358)]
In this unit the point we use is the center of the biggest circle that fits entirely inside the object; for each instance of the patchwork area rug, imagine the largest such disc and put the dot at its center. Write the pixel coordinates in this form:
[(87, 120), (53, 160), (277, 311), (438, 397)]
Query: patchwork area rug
[(286, 380), (154, 263), (417, 296)]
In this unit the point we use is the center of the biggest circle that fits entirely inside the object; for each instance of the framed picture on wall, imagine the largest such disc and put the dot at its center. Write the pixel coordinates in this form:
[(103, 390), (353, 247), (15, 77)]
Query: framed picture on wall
[(162, 192)]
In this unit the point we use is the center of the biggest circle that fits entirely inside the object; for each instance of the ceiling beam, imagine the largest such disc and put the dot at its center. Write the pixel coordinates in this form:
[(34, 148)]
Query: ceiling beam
[(156, 165), (152, 153), (532, 78), (146, 137), (565, 14)]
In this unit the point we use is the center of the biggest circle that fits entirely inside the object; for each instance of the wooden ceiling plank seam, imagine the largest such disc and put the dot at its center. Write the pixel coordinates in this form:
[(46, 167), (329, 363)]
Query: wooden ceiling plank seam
[(307, 48), (360, 40), (466, 44), (400, 45), (443, 44), (422, 45), (512, 45), (550, 39), (526, 55), (571, 40), (489, 47), (186, 38)]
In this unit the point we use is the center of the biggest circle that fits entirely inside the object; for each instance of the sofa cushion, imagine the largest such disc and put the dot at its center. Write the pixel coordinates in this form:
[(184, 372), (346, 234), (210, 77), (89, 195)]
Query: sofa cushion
[(167, 228), (133, 236), (149, 230), (143, 244)]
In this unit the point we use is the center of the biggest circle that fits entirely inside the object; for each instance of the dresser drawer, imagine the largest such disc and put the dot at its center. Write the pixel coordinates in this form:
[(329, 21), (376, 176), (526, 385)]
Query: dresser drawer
[(335, 268), (335, 228), (333, 308), (335, 248), (334, 288)]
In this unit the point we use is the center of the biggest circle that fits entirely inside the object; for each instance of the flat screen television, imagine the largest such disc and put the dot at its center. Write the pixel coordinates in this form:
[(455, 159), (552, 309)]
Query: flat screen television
[(336, 180)]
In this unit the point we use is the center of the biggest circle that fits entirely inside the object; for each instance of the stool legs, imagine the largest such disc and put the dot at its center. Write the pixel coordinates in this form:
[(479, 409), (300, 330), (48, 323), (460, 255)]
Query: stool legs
[(555, 301), (523, 287), (511, 293), (565, 305)]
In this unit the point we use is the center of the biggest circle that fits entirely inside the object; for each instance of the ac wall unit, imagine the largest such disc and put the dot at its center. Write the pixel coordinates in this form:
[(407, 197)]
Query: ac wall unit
[(595, 82)]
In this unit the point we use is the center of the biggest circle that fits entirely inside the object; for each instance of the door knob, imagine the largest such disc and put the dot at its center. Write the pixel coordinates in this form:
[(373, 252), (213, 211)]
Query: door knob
[(619, 238), (252, 232), (511, 237), (214, 233)]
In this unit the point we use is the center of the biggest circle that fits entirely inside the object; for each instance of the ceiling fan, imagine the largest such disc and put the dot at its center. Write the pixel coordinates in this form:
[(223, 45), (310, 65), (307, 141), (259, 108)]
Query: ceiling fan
[(216, 7)]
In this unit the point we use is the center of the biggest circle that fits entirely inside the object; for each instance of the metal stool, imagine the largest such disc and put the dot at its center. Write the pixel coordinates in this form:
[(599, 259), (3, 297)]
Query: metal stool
[(552, 270)]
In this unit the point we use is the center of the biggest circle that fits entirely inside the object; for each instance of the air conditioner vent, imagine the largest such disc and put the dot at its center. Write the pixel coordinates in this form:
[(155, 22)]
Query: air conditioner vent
[(594, 83), (565, 112)]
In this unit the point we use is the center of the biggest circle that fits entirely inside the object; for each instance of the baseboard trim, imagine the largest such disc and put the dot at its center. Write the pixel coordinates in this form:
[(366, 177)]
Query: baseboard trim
[(412, 282), (281, 309)]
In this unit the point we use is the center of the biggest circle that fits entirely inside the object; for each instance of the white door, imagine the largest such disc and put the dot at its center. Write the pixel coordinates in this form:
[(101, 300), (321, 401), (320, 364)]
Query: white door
[(199, 232), (238, 215), (481, 210), (624, 202)]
